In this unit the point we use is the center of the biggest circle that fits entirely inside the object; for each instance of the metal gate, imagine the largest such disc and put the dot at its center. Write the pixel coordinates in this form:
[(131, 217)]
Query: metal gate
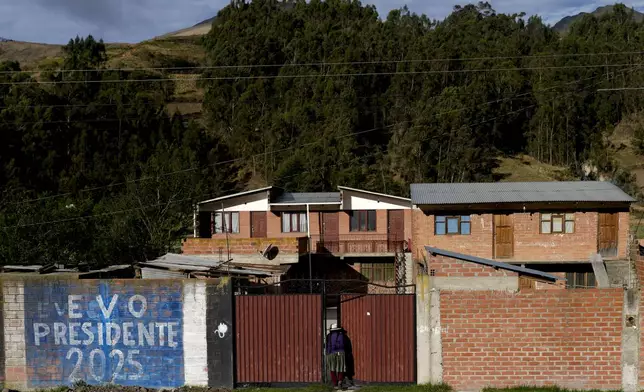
[(382, 331), (278, 338)]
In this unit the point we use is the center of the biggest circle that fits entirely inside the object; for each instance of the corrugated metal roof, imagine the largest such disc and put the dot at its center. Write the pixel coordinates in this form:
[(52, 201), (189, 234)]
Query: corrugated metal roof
[(518, 192), (307, 198), (346, 188), (493, 264)]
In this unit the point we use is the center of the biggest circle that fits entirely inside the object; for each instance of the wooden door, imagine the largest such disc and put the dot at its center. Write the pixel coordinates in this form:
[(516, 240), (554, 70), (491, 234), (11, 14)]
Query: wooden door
[(331, 231), (608, 233), (395, 229), (503, 236), (258, 224)]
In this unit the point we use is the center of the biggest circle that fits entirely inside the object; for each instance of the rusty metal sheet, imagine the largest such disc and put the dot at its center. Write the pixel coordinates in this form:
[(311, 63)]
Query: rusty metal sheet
[(382, 330), (279, 338)]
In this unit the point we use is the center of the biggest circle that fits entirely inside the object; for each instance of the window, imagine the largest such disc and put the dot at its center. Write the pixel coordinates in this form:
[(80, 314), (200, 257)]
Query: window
[(378, 272), (294, 222), (363, 220), (226, 222), (580, 280), (452, 225), (557, 223)]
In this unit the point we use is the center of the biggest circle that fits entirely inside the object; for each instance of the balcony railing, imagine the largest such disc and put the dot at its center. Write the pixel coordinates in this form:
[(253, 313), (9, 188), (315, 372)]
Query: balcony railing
[(357, 244)]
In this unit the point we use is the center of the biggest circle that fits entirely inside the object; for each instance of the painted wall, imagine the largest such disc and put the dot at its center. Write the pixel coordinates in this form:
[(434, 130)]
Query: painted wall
[(130, 332), (253, 202), (364, 201)]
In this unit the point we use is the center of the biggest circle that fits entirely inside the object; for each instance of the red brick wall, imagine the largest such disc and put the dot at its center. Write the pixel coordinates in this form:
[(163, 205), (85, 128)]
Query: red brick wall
[(639, 268), (529, 243), (445, 266), (207, 246), (569, 338), (478, 243)]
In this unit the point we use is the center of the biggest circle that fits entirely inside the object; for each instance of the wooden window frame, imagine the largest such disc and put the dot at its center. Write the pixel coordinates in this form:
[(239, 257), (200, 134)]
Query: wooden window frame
[(572, 279), (565, 218), (387, 271), (301, 227), (362, 216), (225, 229), (462, 220)]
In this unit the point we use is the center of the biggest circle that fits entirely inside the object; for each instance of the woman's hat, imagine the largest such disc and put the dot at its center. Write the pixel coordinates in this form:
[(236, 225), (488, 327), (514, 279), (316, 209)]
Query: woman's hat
[(335, 327)]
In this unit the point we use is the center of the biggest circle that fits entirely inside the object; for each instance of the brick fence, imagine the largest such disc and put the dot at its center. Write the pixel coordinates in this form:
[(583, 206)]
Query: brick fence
[(569, 338)]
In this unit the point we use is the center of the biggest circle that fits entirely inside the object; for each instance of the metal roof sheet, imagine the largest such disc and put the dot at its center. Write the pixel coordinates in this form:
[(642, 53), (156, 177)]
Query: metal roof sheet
[(307, 198), (493, 264), (518, 192), (346, 188)]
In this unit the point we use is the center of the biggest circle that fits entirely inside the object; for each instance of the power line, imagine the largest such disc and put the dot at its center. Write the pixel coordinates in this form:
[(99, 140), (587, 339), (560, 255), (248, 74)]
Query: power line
[(306, 76), (325, 64), (620, 89), (288, 148), (295, 147), (201, 196)]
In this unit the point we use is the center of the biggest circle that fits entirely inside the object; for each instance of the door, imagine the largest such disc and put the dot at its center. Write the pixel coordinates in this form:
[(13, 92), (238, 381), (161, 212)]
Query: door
[(395, 229), (330, 232), (205, 224), (503, 236), (607, 236), (258, 224)]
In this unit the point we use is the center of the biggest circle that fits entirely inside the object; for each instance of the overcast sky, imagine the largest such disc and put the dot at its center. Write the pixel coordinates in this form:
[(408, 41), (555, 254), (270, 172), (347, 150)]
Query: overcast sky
[(56, 21)]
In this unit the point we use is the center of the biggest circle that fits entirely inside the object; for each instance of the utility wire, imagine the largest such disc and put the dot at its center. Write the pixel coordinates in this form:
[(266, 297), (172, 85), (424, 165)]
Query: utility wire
[(326, 64), (306, 76), (230, 161), (210, 195)]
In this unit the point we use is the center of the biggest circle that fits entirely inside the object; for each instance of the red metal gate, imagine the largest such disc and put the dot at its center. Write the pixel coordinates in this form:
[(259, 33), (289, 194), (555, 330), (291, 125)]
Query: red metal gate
[(279, 339), (382, 330)]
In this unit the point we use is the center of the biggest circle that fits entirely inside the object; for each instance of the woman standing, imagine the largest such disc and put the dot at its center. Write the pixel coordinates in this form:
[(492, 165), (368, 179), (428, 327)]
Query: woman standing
[(335, 356)]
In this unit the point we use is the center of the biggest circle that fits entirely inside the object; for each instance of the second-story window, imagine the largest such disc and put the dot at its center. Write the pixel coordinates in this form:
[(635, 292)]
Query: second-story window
[(294, 222), (557, 223), (453, 225), (363, 220), (226, 222)]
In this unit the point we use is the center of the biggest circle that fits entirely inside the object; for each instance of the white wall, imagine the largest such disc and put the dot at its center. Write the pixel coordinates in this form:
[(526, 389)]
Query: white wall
[(253, 202), (364, 201)]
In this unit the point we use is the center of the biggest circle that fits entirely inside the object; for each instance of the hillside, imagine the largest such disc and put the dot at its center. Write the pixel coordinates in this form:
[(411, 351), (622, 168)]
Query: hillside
[(564, 24), (201, 28)]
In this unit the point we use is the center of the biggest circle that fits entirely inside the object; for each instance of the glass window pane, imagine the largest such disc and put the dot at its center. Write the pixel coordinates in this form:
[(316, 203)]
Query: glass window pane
[(452, 225), (286, 223), (218, 223), (465, 228), (570, 279), (557, 224), (579, 279), (570, 217), (377, 273), (465, 218), (546, 217), (590, 280), (389, 272), (235, 222), (294, 223), (440, 228), (570, 227), (363, 220), (440, 219), (354, 221), (545, 227), (372, 220), (303, 225)]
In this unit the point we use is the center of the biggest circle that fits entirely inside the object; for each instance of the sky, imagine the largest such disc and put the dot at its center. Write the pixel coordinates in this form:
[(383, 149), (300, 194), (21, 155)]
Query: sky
[(131, 21)]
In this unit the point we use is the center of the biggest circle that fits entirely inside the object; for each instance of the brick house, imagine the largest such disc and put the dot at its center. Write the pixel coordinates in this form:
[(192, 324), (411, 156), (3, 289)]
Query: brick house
[(550, 226), (349, 234)]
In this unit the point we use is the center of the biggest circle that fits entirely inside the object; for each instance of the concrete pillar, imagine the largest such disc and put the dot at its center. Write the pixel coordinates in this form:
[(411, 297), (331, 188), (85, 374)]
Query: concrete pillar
[(630, 341), (436, 343), (423, 329), (409, 272)]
